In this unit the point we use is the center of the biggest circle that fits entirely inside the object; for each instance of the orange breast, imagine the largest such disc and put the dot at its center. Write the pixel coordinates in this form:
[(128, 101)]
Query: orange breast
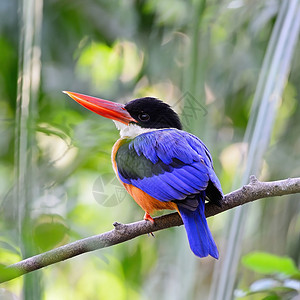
[(115, 148), (145, 201)]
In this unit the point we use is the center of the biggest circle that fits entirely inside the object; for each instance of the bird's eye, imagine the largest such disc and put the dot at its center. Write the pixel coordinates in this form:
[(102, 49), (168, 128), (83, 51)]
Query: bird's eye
[(143, 117)]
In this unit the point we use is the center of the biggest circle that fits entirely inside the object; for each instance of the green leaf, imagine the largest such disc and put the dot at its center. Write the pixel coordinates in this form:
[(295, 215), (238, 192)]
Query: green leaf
[(272, 297), (266, 263), (50, 230), (7, 274)]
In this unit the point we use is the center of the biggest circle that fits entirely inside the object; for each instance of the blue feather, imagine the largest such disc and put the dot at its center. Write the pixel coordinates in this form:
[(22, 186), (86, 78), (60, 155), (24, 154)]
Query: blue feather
[(187, 178), (158, 188), (179, 182), (199, 236), (173, 165), (148, 161), (215, 180)]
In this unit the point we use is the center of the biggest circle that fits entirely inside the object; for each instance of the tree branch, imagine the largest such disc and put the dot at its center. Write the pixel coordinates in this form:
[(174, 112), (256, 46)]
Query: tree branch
[(124, 232)]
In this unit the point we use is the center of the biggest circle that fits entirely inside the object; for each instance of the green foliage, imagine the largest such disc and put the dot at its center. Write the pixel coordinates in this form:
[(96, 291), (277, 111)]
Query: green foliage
[(120, 50), (282, 279), (50, 231), (266, 263)]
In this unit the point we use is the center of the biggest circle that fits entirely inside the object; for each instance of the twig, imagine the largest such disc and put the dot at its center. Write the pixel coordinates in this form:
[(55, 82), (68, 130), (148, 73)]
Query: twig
[(124, 232)]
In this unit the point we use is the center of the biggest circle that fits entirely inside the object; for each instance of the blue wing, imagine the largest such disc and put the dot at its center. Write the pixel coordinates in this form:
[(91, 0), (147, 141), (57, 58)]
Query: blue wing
[(169, 165), (173, 165)]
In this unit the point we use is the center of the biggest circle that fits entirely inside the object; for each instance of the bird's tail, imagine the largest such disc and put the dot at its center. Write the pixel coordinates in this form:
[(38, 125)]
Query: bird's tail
[(200, 238)]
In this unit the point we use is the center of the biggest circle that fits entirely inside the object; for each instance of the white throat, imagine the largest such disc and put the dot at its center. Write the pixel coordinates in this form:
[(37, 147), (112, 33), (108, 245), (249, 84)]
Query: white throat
[(132, 130)]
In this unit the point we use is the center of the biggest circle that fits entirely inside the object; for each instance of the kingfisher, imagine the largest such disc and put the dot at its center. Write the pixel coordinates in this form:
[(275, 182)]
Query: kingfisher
[(160, 165)]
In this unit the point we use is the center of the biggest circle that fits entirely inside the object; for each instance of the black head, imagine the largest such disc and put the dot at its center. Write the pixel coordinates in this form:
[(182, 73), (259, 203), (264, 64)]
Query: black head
[(153, 113)]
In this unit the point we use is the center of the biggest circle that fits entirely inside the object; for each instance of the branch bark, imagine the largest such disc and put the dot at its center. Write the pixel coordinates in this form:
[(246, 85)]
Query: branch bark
[(124, 232)]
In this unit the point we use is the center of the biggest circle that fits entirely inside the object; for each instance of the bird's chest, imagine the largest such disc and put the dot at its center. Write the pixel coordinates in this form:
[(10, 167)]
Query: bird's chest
[(114, 151), (145, 201)]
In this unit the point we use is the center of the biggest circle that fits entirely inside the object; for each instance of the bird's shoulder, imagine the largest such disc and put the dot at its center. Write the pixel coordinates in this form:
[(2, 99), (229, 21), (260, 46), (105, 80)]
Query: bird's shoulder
[(166, 144), (161, 151), (160, 160)]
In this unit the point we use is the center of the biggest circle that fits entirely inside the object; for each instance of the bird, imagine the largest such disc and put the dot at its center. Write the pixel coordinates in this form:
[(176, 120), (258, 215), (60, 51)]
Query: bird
[(160, 165)]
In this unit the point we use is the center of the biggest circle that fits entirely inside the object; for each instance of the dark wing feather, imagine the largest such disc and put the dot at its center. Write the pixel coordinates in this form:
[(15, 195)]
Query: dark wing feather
[(169, 165)]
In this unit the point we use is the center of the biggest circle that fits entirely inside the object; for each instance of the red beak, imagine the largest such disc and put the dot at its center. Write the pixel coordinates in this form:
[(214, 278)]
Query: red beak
[(105, 108)]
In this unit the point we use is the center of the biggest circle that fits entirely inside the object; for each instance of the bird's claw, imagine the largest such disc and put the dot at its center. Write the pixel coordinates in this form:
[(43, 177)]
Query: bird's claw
[(152, 234), (147, 217)]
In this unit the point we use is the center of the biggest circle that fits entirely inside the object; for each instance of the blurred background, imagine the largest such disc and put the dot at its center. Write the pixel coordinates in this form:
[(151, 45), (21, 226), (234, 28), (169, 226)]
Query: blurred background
[(231, 69)]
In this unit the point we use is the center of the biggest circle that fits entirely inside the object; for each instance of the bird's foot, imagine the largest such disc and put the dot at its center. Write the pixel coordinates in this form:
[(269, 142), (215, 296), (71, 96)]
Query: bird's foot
[(147, 217)]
